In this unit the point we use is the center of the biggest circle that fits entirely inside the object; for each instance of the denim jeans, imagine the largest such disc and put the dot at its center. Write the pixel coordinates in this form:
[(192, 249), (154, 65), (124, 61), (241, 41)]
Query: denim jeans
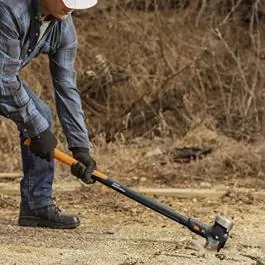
[(36, 184)]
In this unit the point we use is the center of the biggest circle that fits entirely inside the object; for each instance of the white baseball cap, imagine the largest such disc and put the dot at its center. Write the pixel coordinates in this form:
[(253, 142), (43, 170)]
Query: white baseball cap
[(79, 4)]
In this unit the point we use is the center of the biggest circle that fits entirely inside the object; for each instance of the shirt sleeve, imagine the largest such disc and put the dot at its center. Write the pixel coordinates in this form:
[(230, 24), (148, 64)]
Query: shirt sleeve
[(14, 100), (68, 101)]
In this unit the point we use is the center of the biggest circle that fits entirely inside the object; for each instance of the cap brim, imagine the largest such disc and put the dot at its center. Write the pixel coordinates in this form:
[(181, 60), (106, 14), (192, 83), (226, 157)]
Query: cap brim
[(80, 4)]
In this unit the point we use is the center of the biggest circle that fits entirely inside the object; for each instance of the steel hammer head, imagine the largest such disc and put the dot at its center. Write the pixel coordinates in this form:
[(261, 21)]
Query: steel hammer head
[(218, 234)]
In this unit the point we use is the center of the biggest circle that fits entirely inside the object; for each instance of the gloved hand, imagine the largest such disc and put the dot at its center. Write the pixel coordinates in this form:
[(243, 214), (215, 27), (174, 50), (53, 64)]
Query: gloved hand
[(82, 155), (43, 145)]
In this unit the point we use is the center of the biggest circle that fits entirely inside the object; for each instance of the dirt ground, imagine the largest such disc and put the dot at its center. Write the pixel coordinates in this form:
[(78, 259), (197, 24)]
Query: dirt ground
[(118, 231)]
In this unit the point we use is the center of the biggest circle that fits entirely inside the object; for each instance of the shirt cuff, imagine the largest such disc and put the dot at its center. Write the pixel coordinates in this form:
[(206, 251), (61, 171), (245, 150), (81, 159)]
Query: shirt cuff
[(29, 120)]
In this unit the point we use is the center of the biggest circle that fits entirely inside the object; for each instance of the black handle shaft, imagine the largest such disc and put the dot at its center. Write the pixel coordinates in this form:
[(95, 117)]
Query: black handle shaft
[(191, 223)]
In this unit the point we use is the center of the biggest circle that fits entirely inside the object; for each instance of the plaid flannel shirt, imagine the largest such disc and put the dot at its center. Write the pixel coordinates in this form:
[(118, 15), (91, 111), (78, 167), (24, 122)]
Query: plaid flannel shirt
[(20, 23)]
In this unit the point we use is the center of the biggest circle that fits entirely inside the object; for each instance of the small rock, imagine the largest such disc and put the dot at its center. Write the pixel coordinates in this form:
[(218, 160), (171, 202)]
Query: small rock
[(108, 232), (205, 185), (220, 256), (143, 179), (154, 152)]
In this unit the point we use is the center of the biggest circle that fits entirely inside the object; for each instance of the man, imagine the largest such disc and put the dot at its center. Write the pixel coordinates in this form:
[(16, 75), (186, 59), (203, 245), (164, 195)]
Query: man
[(27, 29)]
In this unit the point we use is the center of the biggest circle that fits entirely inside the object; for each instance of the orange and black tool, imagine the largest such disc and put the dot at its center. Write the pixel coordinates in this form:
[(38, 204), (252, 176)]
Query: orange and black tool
[(215, 235)]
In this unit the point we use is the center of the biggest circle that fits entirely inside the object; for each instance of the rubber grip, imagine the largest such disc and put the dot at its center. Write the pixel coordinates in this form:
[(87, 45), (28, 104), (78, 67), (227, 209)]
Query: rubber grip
[(59, 155), (68, 160), (27, 141), (99, 174)]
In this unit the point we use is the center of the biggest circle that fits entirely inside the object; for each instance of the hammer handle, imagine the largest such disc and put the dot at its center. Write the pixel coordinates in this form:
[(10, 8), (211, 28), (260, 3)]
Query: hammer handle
[(64, 158), (68, 160)]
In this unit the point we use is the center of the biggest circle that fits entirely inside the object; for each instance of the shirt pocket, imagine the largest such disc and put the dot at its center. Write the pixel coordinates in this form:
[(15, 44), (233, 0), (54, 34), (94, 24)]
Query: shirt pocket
[(10, 57)]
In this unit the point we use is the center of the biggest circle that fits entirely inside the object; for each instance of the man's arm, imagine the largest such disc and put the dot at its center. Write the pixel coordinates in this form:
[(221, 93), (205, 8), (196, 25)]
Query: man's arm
[(14, 100), (68, 102)]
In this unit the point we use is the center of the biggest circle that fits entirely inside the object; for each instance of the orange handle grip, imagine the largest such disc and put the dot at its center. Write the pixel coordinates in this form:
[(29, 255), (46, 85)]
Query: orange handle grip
[(27, 141), (68, 160), (99, 174)]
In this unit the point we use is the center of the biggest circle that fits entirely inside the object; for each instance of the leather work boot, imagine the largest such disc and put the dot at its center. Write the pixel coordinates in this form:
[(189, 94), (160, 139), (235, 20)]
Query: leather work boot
[(49, 216)]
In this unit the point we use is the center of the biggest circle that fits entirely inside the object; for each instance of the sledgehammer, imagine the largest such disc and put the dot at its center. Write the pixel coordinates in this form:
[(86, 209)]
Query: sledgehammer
[(216, 235)]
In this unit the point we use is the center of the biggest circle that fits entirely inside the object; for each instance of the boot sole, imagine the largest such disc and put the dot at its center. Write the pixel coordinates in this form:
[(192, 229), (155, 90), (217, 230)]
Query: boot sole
[(31, 221)]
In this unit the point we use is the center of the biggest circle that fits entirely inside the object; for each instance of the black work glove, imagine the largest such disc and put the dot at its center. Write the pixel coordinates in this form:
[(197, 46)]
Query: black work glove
[(82, 155), (43, 145)]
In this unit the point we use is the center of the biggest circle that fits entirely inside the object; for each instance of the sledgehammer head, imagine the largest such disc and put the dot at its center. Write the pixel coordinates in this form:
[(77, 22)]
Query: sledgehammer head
[(218, 234)]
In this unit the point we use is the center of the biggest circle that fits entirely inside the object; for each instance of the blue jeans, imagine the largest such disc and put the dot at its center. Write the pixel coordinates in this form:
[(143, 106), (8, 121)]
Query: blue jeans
[(36, 184)]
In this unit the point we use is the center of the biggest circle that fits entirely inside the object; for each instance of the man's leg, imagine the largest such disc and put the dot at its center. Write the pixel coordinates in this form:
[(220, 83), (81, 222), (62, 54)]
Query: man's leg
[(36, 185), (37, 207)]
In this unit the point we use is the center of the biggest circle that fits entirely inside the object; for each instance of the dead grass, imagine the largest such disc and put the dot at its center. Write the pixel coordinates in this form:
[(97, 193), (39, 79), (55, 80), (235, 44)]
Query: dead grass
[(210, 53), (232, 163)]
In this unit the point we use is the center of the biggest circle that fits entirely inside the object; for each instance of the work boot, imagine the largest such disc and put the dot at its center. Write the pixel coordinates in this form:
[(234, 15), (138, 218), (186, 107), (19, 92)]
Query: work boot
[(49, 216)]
